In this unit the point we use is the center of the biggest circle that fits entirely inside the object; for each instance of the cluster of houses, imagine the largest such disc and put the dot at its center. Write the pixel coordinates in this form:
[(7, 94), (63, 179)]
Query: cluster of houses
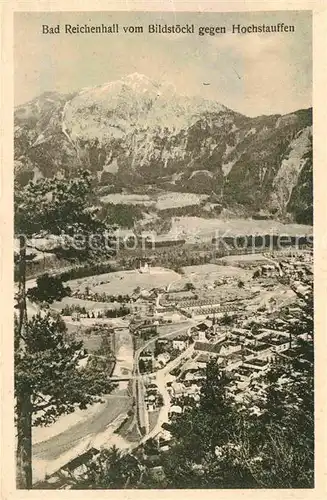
[(90, 295), (244, 353), (241, 349), (188, 384), (152, 397), (165, 350), (210, 302), (293, 264)]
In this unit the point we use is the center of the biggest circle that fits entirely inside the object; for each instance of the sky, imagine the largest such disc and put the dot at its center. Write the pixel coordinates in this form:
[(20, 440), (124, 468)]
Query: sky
[(253, 74)]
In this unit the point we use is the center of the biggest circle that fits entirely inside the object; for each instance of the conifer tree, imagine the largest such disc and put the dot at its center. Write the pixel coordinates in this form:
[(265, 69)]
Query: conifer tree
[(43, 209)]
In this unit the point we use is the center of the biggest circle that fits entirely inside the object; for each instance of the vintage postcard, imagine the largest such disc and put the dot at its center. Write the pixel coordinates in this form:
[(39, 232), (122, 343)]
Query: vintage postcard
[(165, 250)]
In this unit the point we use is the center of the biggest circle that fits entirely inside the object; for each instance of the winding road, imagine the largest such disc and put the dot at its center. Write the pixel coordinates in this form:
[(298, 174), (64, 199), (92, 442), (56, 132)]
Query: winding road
[(138, 384), (161, 383)]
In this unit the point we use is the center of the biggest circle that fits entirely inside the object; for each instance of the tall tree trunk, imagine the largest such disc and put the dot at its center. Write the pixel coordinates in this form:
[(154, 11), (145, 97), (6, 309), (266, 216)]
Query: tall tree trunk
[(24, 442), (22, 286), (23, 400)]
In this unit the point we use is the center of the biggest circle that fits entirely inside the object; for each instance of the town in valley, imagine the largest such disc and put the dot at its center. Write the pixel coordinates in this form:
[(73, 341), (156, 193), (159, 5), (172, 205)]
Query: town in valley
[(154, 329), (163, 320)]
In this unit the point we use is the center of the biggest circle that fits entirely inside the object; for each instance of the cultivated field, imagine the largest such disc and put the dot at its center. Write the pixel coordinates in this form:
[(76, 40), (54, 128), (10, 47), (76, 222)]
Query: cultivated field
[(125, 282), (128, 199), (207, 274), (89, 305), (279, 296), (253, 293), (251, 258), (175, 200), (197, 228), (160, 201), (91, 341)]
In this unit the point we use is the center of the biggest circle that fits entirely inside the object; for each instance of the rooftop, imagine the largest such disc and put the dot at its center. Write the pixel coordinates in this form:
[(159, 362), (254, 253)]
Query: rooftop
[(260, 347), (256, 362), (208, 347)]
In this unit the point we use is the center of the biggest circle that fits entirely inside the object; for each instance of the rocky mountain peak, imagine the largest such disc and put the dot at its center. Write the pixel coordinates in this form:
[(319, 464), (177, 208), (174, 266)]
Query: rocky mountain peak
[(137, 131)]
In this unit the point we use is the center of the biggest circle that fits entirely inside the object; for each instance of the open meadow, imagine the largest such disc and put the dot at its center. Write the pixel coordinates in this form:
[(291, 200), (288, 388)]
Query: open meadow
[(205, 275), (89, 305), (125, 282), (159, 201), (198, 228)]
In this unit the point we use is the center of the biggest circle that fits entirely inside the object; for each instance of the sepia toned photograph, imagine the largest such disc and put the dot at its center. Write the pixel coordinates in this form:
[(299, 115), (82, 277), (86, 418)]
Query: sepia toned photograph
[(163, 250)]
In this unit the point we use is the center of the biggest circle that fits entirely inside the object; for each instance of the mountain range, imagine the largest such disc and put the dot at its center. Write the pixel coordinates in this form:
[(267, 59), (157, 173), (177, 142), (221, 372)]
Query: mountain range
[(134, 132)]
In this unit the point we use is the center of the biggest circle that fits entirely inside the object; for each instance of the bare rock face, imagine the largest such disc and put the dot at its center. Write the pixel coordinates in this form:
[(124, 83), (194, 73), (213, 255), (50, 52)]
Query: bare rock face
[(135, 131)]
